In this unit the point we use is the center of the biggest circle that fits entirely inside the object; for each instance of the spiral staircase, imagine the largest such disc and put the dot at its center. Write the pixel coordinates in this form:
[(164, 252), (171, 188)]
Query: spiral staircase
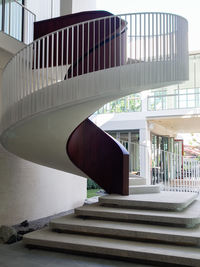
[(76, 64)]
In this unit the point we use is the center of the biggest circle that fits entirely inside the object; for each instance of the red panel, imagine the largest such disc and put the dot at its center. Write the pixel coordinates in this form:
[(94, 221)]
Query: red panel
[(100, 157)]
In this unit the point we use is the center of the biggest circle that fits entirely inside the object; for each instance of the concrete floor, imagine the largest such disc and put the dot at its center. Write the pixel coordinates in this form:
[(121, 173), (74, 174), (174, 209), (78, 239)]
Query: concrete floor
[(16, 255)]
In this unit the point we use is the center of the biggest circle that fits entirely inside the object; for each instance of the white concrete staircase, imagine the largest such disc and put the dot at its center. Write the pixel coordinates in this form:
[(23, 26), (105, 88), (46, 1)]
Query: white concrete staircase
[(137, 185), (160, 227)]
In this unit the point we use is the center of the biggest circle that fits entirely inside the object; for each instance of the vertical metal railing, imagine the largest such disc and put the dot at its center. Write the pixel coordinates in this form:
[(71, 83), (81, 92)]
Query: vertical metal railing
[(172, 171), (17, 21), (90, 46)]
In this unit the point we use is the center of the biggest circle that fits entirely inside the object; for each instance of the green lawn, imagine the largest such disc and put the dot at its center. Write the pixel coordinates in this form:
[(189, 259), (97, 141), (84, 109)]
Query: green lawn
[(92, 192)]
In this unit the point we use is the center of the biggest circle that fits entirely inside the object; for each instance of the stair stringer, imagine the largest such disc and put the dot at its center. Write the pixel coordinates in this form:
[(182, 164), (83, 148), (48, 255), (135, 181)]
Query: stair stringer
[(42, 137)]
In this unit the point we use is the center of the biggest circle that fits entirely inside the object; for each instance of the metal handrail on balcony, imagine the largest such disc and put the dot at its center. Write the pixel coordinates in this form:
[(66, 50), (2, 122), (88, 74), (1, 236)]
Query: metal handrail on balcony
[(17, 21), (173, 171), (174, 100), (131, 103)]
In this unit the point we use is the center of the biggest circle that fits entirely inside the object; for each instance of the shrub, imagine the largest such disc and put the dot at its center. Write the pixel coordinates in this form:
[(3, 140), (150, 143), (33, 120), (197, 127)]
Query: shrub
[(92, 185)]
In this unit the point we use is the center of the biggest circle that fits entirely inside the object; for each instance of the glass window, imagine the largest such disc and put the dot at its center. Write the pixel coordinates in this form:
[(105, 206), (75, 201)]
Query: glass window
[(12, 14), (0, 15)]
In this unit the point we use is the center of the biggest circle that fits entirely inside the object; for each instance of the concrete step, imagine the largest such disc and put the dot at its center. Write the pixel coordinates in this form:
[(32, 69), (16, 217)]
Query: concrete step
[(165, 200), (107, 247), (137, 181), (124, 230), (188, 217), (144, 189), (134, 175)]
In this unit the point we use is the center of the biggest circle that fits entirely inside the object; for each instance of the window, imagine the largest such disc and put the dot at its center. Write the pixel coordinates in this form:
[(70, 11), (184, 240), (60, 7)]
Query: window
[(11, 18)]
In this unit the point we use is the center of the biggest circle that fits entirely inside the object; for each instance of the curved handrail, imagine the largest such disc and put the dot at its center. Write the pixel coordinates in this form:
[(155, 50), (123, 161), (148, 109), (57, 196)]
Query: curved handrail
[(149, 38)]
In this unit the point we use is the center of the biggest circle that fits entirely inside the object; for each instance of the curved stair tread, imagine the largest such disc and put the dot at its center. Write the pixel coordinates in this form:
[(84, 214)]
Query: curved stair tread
[(127, 230), (109, 247), (165, 200), (187, 217)]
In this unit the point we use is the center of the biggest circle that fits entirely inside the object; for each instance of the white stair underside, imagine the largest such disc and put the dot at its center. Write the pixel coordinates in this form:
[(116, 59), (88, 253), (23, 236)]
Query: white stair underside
[(115, 248), (75, 100)]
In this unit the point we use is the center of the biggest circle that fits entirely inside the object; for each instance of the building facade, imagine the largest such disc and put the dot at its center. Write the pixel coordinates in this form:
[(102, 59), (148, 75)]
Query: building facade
[(154, 118)]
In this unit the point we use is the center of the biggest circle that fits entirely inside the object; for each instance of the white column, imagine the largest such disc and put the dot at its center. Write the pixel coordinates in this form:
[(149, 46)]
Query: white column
[(74, 6), (145, 153), (144, 95)]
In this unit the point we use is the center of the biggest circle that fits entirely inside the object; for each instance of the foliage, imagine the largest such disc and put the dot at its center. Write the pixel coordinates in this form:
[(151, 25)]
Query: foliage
[(92, 185)]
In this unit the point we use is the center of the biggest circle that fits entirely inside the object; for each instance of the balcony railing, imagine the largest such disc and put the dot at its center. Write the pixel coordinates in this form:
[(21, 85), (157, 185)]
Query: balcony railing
[(16, 20), (182, 98), (173, 171), (131, 103)]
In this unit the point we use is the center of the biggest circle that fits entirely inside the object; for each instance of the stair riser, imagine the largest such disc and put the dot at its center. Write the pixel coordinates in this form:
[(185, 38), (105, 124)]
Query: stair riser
[(125, 234), (123, 253), (150, 190), (137, 181), (183, 222)]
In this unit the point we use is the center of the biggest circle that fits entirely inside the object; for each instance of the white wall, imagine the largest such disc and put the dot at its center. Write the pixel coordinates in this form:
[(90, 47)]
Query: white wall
[(44, 9), (30, 191), (83, 5), (74, 6)]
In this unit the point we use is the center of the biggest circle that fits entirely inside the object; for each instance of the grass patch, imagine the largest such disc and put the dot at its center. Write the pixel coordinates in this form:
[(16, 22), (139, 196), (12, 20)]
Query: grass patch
[(92, 192)]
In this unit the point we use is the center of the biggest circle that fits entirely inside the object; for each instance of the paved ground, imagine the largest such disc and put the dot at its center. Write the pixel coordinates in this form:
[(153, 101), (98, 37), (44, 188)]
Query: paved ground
[(16, 255)]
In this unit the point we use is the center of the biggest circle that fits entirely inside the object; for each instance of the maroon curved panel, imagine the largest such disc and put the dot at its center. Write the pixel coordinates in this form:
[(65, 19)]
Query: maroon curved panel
[(100, 157), (101, 45)]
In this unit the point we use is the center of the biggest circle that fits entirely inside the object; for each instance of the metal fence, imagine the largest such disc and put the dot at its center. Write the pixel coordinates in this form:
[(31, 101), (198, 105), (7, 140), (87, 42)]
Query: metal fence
[(173, 171)]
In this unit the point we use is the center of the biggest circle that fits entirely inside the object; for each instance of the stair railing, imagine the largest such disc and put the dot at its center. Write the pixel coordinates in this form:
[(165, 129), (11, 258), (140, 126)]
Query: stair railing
[(141, 38)]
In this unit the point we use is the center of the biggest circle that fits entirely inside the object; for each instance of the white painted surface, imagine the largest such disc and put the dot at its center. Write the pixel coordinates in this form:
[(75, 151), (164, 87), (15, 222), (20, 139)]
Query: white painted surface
[(65, 7), (145, 141), (44, 9), (29, 191), (83, 5), (75, 6), (9, 46)]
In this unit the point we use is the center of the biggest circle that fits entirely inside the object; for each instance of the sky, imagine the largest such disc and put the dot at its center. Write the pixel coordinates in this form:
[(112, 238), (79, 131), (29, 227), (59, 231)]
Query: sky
[(188, 9)]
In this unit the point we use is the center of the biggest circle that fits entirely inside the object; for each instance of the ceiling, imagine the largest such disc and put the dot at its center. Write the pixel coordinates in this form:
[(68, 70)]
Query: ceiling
[(181, 124)]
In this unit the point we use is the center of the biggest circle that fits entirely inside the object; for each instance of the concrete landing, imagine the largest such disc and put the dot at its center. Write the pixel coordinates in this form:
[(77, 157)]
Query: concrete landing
[(108, 247), (125, 230), (188, 217), (162, 201), (144, 189)]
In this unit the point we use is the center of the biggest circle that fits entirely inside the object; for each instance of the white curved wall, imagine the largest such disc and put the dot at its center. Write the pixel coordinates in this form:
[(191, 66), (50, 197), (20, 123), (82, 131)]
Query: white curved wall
[(29, 191)]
